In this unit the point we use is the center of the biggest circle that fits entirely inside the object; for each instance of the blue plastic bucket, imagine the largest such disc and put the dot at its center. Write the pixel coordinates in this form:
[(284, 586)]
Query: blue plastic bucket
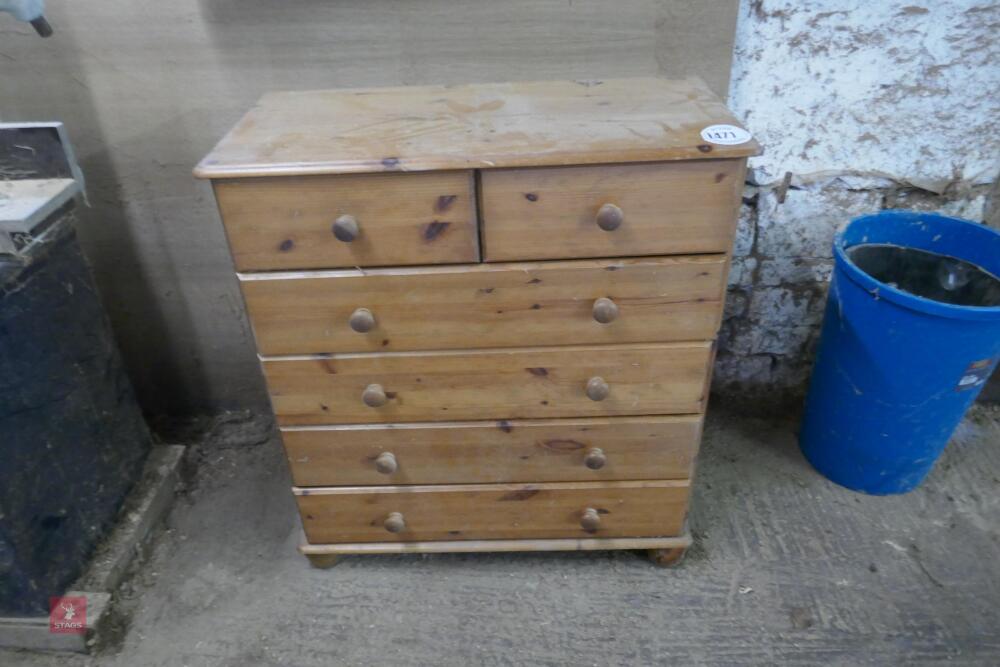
[(895, 372)]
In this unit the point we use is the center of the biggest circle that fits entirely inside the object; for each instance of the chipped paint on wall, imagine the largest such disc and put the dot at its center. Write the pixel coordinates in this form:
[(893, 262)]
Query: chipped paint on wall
[(897, 88), (867, 106)]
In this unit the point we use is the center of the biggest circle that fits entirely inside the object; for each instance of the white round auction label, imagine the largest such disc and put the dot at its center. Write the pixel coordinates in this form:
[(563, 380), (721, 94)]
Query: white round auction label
[(727, 135)]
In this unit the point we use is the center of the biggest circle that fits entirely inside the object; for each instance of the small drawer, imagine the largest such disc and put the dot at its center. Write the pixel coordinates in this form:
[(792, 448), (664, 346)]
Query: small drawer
[(558, 450), (520, 383), (610, 210), (493, 511), (302, 222), (487, 305)]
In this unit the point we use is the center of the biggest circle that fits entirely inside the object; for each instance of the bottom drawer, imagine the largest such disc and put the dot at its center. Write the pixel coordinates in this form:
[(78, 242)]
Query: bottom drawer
[(493, 511)]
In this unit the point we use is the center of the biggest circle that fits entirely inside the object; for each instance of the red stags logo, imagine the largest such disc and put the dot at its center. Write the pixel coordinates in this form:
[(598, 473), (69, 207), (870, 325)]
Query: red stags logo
[(68, 615)]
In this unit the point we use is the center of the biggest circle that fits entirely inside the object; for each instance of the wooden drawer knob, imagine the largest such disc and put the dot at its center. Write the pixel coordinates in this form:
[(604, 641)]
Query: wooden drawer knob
[(610, 217), (345, 228), (394, 523), (595, 459), (385, 463), (605, 310), (591, 520), (362, 320), (374, 396), (597, 389)]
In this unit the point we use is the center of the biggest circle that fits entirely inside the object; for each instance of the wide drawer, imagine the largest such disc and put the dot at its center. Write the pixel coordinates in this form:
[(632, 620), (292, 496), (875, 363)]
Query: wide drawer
[(299, 222), (654, 209), (493, 511), (640, 379), (555, 450), (484, 305)]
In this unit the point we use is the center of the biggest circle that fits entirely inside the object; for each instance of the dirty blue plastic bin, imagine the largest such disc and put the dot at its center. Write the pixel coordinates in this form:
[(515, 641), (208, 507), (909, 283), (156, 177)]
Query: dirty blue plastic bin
[(895, 372)]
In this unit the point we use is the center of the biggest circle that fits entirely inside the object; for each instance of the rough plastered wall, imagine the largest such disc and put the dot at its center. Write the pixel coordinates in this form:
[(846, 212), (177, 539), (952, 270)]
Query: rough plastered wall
[(860, 106), (146, 88)]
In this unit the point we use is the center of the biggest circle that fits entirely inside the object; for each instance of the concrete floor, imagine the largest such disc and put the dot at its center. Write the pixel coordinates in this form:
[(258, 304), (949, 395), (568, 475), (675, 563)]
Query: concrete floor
[(787, 568)]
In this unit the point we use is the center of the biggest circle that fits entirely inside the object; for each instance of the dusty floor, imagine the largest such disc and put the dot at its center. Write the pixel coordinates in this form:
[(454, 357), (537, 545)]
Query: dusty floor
[(788, 568)]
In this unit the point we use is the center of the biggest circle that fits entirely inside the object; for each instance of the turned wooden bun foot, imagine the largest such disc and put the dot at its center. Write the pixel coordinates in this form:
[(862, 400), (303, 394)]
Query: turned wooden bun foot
[(667, 557), (322, 561)]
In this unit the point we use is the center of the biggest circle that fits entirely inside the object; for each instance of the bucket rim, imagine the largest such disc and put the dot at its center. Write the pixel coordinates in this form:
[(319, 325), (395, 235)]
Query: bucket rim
[(897, 296)]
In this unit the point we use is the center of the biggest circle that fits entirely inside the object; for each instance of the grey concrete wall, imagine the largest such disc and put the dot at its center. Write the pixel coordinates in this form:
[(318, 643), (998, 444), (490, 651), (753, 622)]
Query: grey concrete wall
[(146, 87), (868, 105)]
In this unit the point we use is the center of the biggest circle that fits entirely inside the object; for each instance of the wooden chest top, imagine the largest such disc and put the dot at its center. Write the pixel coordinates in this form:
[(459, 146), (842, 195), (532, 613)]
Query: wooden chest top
[(478, 126)]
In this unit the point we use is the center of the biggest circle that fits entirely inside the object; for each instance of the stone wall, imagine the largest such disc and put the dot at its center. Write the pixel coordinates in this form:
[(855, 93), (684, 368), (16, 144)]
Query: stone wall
[(860, 106)]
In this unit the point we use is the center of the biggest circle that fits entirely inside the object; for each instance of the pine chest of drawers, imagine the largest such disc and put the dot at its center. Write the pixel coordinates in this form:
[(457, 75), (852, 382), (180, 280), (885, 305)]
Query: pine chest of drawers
[(486, 314)]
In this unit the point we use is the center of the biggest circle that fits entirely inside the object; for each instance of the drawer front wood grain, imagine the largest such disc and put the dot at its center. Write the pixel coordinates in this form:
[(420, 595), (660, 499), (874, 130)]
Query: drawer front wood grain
[(398, 219), (493, 511), (487, 305), (556, 450), (520, 383), (662, 208)]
